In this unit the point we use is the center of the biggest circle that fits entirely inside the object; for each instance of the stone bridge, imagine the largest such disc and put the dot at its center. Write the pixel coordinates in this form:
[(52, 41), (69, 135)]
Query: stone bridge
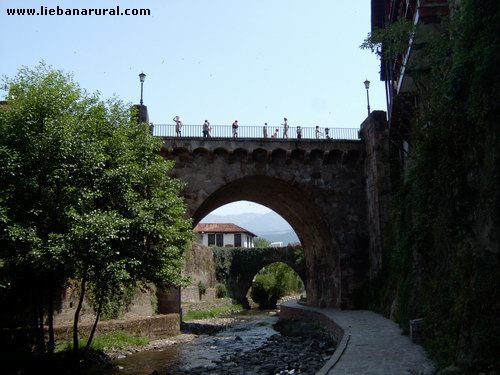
[(238, 266), (333, 193)]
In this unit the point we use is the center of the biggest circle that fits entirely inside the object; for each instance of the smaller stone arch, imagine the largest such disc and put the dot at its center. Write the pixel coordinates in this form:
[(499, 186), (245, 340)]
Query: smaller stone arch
[(181, 154), (240, 155), (238, 266), (351, 157), (278, 156), (259, 155), (200, 155), (220, 154), (298, 155), (333, 157), (316, 155)]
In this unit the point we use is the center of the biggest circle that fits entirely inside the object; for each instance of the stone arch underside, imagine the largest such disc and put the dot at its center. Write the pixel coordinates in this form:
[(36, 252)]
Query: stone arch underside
[(324, 200), (304, 209)]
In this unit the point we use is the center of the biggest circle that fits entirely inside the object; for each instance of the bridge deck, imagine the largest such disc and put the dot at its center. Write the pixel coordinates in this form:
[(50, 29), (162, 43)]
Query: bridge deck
[(256, 132)]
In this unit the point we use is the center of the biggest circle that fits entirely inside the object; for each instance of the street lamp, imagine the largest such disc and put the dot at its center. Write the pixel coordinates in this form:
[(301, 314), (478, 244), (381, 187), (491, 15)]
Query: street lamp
[(142, 77), (367, 86)]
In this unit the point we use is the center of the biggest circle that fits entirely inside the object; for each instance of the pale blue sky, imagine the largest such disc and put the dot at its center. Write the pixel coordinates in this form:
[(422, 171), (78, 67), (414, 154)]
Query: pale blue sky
[(241, 207), (256, 61)]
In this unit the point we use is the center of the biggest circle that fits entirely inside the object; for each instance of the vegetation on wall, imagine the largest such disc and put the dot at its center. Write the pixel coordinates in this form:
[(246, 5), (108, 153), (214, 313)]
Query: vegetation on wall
[(238, 260), (443, 263)]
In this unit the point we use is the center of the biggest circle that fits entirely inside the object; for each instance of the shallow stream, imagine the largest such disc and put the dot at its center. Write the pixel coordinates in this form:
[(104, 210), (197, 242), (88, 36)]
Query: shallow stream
[(249, 330)]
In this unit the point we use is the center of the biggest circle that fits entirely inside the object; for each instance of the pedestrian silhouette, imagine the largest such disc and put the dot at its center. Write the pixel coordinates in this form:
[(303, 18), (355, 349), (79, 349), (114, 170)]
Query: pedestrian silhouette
[(235, 128), (299, 132), (285, 128), (178, 125)]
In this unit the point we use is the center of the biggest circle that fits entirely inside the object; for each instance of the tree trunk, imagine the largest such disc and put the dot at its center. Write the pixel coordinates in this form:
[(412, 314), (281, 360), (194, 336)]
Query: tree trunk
[(50, 317), (40, 325), (94, 327), (77, 312), (38, 328)]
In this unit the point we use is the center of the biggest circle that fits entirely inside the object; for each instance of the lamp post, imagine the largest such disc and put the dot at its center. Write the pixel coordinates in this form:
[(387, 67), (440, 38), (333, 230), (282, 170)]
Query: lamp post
[(142, 77), (367, 86)]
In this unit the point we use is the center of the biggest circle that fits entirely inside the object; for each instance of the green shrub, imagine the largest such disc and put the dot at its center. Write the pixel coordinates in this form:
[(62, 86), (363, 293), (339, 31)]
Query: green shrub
[(273, 282), (262, 291), (202, 288), (220, 291)]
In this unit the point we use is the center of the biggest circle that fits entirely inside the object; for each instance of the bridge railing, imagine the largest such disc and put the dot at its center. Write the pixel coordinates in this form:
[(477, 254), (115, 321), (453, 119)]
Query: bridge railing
[(225, 131)]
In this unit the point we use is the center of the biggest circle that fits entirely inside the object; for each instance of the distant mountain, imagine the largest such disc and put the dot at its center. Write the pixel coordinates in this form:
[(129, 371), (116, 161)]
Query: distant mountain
[(239, 219), (270, 226)]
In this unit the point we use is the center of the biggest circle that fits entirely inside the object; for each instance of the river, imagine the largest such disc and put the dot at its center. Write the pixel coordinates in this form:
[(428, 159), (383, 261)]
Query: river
[(247, 344)]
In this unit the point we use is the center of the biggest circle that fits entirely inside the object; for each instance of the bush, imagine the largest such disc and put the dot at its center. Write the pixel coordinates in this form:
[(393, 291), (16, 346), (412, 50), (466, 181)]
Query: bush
[(202, 288), (273, 282), (264, 291), (220, 291)]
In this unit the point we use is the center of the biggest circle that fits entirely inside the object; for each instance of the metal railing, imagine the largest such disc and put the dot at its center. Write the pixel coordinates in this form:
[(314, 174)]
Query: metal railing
[(225, 131)]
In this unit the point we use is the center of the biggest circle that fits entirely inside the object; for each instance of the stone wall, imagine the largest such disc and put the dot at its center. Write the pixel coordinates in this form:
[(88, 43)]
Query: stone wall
[(143, 304), (200, 266), (192, 294), (375, 134), (335, 331), (153, 327), (205, 305)]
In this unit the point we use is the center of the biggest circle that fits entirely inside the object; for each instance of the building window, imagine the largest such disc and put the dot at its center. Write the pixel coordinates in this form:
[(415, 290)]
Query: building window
[(237, 240), (211, 239), (220, 239)]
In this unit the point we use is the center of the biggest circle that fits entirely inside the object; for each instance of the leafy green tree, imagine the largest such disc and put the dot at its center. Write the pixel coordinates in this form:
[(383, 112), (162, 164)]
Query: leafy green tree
[(261, 242), (84, 195), (274, 282)]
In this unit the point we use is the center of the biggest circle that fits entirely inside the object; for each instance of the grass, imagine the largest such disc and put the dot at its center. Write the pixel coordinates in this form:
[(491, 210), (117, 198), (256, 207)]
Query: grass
[(108, 340), (211, 313)]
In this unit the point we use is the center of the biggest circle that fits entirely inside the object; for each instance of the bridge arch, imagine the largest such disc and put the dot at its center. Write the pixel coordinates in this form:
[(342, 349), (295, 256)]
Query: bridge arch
[(298, 208), (327, 190), (246, 263)]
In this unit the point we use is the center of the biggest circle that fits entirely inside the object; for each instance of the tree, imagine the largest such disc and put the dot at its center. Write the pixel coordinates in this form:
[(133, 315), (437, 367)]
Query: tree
[(274, 282), (261, 242), (84, 195)]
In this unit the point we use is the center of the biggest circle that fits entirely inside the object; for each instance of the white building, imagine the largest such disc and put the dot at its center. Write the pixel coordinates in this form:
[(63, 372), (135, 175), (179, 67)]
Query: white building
[(224, 235)]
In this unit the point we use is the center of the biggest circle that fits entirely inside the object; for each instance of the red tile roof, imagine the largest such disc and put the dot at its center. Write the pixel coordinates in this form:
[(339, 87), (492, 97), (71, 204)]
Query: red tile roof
[(221, 228)]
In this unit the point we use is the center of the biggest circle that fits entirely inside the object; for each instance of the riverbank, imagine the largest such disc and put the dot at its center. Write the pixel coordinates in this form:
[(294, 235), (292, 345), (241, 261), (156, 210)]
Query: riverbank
[(255, 342), (189, 331)]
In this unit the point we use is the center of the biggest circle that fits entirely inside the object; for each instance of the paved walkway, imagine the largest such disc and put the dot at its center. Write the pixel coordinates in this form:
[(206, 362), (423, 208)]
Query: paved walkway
[(371, 345)]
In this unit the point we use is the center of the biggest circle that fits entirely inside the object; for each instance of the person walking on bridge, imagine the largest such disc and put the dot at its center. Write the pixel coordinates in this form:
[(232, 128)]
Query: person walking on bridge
[(318, 132), (264, 130), (299, 132), (235, 129), (178, 125), (206, 129), (285, 128)]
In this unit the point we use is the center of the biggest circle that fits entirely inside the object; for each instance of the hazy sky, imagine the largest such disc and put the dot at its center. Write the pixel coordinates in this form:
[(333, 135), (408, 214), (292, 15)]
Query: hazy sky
[(241, 207), (256, 61)]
